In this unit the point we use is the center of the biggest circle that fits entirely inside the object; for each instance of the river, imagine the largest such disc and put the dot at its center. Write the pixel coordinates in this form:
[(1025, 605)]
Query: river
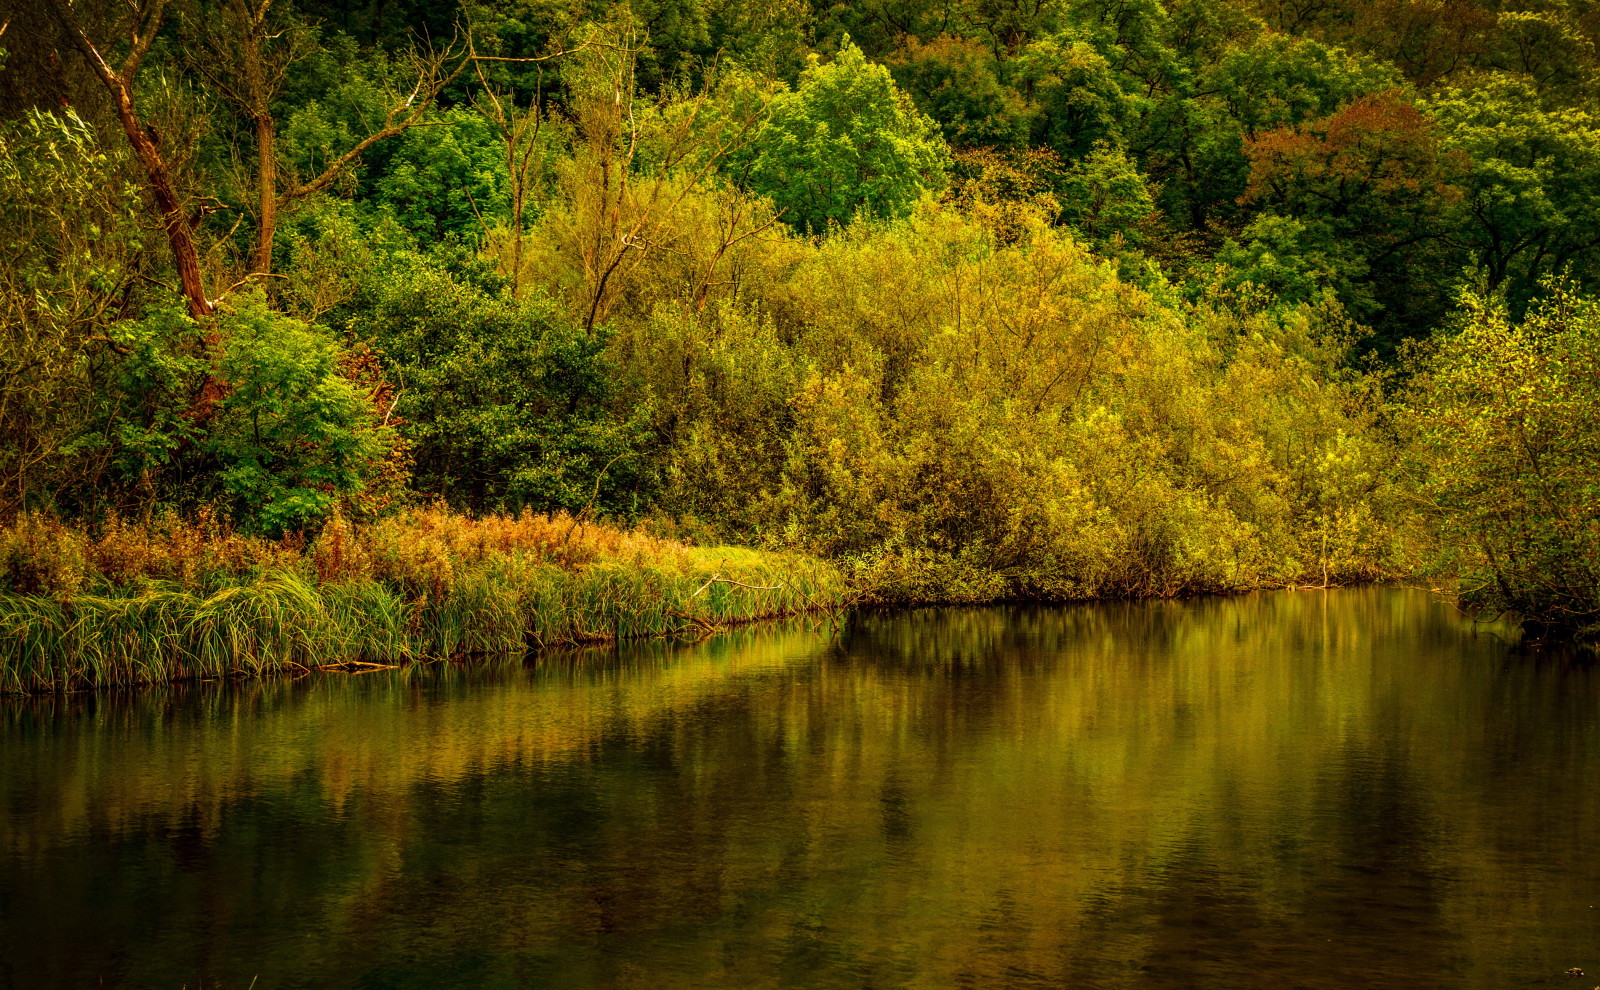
[(1296, 789)]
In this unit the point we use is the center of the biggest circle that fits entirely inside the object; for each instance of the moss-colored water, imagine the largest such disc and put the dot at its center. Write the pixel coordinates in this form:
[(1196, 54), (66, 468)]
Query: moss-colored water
[(1300, 789)]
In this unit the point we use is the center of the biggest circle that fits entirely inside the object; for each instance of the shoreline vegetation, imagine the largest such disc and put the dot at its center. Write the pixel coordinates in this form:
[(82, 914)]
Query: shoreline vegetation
[(171, 601), (402, 350)]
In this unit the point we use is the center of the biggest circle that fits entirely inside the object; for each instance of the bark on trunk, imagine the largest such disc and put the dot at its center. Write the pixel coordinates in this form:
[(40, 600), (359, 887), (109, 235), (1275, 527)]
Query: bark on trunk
[(186, 258), (179, 237), (266, 148)]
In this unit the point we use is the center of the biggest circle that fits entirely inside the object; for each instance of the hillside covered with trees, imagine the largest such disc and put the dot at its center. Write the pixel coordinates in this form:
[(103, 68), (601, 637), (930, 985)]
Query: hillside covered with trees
[(971, 300)]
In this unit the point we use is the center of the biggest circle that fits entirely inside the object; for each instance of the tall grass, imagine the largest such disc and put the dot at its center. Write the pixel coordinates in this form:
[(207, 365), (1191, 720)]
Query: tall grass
[(172, 600)]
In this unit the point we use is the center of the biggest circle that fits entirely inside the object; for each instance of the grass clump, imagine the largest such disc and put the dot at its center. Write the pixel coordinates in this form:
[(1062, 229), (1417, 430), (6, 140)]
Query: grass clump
[(169, 599)]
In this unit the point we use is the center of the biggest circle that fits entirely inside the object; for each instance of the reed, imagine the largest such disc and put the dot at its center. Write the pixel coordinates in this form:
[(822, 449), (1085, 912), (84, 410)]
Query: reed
[(169, 600)]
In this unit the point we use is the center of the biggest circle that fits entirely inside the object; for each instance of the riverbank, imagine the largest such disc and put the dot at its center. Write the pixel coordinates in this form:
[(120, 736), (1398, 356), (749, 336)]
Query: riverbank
[(171, 600)]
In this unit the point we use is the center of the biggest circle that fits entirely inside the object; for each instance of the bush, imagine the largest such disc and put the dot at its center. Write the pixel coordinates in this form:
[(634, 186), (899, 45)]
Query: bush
[(966, 419), (293, 435), (1508, 424), (508, 403)]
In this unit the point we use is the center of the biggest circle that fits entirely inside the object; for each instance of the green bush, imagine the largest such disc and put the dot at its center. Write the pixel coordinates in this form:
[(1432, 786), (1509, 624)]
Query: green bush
[(507, 403), (293, 435)]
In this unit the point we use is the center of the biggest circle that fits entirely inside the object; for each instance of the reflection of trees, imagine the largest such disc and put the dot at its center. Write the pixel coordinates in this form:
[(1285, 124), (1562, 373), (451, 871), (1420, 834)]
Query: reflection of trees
[(1203, 791)]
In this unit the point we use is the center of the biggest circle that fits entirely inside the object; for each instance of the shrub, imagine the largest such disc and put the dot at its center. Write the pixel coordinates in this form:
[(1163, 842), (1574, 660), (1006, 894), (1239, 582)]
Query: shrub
[(293, 435), (507, 403), (1508, 426), (967, 419)]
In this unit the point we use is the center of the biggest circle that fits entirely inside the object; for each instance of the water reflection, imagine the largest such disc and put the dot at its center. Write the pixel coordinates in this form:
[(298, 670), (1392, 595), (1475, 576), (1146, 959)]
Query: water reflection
[(1288, 790)]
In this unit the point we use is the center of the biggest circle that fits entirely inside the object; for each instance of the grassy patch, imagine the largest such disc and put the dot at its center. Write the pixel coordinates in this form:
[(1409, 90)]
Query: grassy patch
[(174, 600)]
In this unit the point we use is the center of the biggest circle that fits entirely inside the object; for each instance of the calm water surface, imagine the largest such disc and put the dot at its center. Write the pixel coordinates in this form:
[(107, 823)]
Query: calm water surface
[(1353, 789)]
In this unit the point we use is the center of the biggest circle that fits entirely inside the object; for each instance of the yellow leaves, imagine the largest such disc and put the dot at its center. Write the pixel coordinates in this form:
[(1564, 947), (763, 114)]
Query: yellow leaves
[(1506, 416), (962, 416)]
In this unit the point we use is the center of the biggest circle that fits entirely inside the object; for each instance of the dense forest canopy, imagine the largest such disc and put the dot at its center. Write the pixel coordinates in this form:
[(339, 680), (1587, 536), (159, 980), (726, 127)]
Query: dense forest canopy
[(1043, 297)]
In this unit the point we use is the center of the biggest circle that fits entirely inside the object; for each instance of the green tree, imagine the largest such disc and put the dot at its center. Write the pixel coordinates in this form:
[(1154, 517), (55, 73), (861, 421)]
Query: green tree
[(1532, 196), (1295, 262), (1276, 80), (1371, 186), (1104, 194), (848, 141), (72, 255), (1077, 96), (448, 180), (954, 81)]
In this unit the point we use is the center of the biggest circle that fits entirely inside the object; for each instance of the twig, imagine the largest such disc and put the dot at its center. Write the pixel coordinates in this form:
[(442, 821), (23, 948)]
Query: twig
[(356, 667), (592, 496)]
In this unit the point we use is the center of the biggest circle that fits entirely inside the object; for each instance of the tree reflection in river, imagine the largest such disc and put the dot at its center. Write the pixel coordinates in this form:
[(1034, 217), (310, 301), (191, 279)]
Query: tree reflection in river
[(1293, 789)]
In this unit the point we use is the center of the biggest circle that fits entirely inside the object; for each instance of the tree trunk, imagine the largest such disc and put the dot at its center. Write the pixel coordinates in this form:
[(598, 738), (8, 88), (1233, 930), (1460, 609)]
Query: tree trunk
[(267, 222), (181, 239)]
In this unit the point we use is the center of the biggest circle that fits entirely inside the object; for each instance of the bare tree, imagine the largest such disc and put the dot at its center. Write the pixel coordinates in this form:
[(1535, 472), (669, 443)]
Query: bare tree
[(519, 130), (246, 58)]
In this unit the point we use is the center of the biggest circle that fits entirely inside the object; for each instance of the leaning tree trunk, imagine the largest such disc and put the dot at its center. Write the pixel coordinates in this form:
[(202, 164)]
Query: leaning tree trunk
[(120, 85)]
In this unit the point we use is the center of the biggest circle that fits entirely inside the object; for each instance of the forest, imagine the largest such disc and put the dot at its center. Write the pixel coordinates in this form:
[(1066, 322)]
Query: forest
[(417, 328)]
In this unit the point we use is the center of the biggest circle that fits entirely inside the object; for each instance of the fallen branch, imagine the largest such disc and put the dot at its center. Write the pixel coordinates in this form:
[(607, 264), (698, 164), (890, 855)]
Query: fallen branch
[(707, 626), (356, 666), (722, 580)]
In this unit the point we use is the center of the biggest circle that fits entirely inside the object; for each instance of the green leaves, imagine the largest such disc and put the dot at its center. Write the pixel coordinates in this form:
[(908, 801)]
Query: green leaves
[(1104, 194), (293, 435), (508, 403), (956, 83), (448, 178), (1078, 98), (847, 142), (1532, 202)]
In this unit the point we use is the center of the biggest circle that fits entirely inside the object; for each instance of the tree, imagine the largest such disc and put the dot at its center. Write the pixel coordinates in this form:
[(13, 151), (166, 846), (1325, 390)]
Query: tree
[(848, 141), (518, 129), (294, 435), (70, 264), (450, 180), (1274, 81), (1370, 187), (1076, 93), (508, 402), (1428, 40), (1532, 196), (143, 22), (1295, 262), (245, 52), (638, 162), (1104, 194), (953, 81)]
